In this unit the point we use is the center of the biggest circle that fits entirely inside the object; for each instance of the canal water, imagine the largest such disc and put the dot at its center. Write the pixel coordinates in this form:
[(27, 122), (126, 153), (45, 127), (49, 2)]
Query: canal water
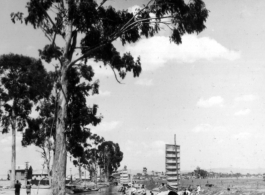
[(104, 191)]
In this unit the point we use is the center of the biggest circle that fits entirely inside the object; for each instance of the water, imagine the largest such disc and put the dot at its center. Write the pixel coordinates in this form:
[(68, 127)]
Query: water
[(104, 191)]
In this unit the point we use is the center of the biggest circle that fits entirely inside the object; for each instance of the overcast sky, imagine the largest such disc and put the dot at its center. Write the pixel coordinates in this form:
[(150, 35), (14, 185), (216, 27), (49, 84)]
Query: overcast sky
[(209, 91)]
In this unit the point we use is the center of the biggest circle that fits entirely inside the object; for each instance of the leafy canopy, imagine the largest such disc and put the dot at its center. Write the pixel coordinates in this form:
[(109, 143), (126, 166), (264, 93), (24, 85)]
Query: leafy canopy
[(110, 156), (100, 25), (79, 115), (24, 81)]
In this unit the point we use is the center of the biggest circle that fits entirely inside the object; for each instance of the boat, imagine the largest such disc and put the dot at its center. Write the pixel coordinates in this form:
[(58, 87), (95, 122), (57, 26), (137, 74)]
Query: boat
[(77, 189), (95, 189)]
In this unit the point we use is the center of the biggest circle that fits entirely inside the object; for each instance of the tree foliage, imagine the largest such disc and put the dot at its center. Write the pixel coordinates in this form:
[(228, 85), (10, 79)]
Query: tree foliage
[(101, 25), (29, 173), (98, 25), (24, 81), (89, 158), (200, 173), (80, 115), (110, 157)]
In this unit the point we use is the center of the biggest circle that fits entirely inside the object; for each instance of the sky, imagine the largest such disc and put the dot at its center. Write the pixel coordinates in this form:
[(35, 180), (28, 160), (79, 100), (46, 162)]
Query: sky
[(209, 91)]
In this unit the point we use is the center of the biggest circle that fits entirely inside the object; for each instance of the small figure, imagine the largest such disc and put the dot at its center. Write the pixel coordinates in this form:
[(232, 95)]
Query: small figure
[(186, 192), (190, 188), (17, 188), (198, 189), (28, 188), (163, 188)]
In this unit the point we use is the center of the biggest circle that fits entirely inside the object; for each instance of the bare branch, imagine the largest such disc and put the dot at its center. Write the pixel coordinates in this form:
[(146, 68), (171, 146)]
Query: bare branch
[(137, 14), (115, 35), (166, 23), (62, 3), (46, 35), (115, 74), (82, 47), (68, 42), (47, 15), (101, 4), (88, 52), (143, 20)]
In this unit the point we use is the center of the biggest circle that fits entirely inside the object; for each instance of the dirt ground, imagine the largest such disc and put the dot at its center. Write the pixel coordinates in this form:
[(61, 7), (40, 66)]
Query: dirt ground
[(236, 186), (224, 186)]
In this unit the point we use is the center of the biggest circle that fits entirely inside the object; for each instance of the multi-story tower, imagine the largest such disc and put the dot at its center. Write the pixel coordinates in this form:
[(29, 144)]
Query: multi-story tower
[(173, 165)]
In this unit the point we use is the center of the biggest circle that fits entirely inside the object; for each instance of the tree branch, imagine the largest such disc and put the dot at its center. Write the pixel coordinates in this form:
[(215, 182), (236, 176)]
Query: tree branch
[(68, 42), (137, 14), (81, 47), (142, 20), (115, 74), (101, 4), (47, 15), (89, 51), (115, 35)]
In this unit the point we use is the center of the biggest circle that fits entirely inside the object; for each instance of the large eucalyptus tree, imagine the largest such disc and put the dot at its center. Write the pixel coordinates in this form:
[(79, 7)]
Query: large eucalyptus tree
[(24, 81), (99, 24), (110, 157)]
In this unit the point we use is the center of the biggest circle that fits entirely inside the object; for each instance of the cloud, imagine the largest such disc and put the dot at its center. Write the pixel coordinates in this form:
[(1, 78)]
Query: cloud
[(109, 126), (102, 93), (6, 142), (212, 101), (7, 139), (207, 128), (99, 68), (146, 148), (134, 9), (246, 98), (144, 82), (202, 128), (158, 50), (242, 112), (30, 47), (158, 144), (242, 136)]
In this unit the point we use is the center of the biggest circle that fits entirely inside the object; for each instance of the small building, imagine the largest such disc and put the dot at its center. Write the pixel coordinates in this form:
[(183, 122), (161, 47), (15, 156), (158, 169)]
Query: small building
[(20, 173)]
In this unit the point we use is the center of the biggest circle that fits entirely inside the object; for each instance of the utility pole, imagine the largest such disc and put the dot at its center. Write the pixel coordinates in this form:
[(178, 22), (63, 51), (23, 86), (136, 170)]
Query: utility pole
[(26, 173), (176, 150)]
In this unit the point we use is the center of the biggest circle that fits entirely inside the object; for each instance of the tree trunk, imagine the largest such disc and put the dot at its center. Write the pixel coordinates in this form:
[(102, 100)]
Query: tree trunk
[(96, 175), (100, 173), (107, 172), (80, 172), (60, 157), (13, 160), (49, 175)]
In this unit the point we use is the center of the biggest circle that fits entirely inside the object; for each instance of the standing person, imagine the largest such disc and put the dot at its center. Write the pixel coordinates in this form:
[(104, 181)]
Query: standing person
[(186, 192), (17, 188), (163, 188), (198, 189), (28, 188), (190, 188)]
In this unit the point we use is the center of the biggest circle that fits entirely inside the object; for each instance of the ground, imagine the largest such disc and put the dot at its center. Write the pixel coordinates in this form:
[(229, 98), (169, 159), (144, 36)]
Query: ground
[(241, 186), (237, 187)]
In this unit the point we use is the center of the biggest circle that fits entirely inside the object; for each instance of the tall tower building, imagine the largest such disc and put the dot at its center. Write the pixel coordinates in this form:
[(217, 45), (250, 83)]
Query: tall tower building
[(172, 165)]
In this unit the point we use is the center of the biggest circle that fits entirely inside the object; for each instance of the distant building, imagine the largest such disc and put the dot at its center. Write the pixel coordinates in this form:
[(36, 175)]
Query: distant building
[(144, 171), (172, 164), (20, 173)]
